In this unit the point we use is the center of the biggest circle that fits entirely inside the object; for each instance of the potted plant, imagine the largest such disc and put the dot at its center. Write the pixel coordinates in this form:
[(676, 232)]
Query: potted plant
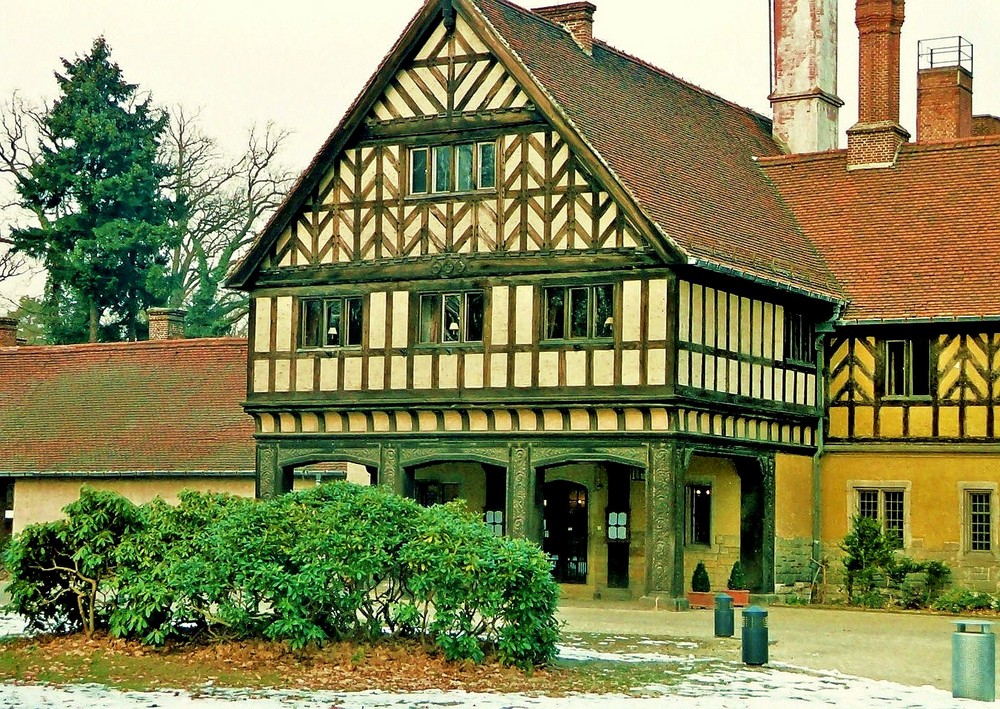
[(700, 595), (736, 587)]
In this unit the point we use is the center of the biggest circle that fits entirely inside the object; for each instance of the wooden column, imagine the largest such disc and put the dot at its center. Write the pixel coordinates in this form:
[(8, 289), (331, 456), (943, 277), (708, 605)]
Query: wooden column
[(767, 467), (524, 519), (271, 480), (665, 520)]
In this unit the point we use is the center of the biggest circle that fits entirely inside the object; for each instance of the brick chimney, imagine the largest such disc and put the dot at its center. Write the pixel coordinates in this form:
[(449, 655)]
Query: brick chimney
[(166, 323), (804, 101), (8, 332), (985, 125), (577, 18), (944, 89), (875, 139)]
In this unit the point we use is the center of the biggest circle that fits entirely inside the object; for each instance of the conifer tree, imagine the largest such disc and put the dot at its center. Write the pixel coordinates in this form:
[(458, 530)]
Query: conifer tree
[(103, 230)]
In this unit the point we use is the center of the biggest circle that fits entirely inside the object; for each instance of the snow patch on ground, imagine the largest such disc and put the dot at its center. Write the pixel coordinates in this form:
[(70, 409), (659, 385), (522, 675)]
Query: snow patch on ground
[(12, 625)]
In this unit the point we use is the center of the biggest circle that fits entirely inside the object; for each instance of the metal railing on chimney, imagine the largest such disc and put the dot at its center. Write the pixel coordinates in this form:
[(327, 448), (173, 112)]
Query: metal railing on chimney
[(943, 52)]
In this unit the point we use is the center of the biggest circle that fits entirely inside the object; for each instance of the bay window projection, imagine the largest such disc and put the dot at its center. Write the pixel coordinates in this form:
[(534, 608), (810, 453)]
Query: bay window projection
[(451, 318)]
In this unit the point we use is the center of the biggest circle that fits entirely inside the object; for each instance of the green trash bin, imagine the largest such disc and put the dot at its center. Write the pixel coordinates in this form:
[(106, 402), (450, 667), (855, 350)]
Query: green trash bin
[(973, 660), (724, 615), (755, 636)]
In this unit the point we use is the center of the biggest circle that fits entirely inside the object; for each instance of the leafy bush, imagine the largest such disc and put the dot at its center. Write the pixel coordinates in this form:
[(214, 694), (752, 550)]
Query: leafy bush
[(62, 573), (337, 562), (868, 559), (737, 581), (960, 600), (700, 583)]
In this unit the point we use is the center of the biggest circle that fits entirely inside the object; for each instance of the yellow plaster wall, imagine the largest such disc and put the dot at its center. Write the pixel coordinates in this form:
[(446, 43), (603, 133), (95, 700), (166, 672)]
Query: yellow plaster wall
[(933, 507), (41, 500), (720, 473), (793, 496), (470, 477)]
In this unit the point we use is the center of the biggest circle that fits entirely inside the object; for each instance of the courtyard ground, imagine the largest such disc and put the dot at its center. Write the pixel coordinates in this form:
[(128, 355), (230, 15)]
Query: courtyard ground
[(818, 657)]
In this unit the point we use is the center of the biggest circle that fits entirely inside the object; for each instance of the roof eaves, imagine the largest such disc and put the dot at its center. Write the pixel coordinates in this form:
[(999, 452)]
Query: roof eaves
[(765, 279)]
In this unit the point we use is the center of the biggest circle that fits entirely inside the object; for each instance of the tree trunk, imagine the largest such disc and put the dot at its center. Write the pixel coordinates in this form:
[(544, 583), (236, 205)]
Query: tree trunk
[(94, 320)]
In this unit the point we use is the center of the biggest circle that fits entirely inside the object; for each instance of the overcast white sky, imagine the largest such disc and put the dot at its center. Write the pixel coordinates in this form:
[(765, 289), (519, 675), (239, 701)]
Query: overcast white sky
[(300, 63)]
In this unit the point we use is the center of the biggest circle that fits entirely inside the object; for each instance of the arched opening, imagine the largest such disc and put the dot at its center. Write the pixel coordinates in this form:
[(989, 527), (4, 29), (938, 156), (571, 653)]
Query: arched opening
[(566, 529), (482, 486)]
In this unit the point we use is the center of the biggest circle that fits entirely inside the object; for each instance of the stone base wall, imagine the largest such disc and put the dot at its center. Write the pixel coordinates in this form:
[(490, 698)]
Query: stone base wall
[(792, 561)]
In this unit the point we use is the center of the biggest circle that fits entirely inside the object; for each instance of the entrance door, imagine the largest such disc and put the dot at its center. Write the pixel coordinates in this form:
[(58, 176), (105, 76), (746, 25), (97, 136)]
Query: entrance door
[(565, 538)]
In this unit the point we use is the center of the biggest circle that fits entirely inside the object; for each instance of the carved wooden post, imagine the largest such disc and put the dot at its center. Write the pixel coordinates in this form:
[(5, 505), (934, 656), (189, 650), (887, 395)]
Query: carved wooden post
[(767, 552), (665, 520), (269, 482), (389, 473), (522, 510)]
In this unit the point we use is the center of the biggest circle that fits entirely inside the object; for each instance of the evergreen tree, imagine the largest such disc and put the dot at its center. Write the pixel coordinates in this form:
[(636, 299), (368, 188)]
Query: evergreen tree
[(104, 233)]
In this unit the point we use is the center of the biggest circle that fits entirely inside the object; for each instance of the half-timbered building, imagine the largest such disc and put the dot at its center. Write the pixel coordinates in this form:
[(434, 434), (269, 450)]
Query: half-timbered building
[(633, 321)]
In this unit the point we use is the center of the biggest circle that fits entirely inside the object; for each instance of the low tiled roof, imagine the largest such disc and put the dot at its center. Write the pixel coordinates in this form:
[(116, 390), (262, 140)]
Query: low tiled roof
[(919, 240), (170, 406), (685, 155)]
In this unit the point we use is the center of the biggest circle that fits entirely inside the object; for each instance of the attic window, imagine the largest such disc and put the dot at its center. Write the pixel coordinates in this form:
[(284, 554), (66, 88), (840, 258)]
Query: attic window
[(443, 169)]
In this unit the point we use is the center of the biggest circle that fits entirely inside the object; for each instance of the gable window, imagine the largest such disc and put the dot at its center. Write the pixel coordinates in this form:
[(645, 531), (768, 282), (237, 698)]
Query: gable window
[(440, 169), (799, 338), (885, 506), (451, 318), (698, 517), (331, 322), (979, 520), (907, 368), (579, 312)]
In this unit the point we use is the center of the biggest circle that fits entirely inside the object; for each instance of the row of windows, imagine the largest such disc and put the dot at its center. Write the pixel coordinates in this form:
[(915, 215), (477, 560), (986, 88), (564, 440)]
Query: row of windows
[(885, 505), (570, 313), (441, 169)]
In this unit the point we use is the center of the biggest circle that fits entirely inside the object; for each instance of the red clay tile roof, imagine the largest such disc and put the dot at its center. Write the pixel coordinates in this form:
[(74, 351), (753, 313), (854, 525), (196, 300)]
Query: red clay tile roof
[(165, 406), (684, 154), (918, 240)]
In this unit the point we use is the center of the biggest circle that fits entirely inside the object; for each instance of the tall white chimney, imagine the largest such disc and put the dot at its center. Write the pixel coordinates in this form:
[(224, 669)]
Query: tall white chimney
[(804, 99)]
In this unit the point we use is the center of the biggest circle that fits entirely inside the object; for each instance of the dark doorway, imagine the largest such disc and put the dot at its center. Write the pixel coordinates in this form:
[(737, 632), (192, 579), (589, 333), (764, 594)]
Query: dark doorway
[(565, 536), (752, 527), (618, 520)]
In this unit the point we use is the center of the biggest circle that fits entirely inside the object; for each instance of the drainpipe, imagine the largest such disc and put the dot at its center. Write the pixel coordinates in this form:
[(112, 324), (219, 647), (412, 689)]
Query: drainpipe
[(822, 330)]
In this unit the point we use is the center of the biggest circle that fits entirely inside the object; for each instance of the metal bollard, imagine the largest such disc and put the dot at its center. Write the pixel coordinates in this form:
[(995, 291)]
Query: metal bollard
[(973, 661), (723, 615), (755, 636)]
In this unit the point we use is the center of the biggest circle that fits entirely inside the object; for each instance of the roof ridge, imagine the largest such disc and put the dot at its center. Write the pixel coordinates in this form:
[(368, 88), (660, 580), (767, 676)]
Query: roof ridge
[(140, 344)]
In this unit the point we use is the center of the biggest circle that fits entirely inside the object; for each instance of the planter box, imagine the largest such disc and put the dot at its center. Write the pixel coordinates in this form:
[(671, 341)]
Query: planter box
[(740, 598), (701, 599), (706, 599)]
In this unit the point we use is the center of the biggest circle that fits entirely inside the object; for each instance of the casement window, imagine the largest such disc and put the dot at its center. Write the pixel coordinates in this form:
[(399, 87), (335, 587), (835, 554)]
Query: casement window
[(432, 492), (698, 514), (331, 322), (579, 312), (907, 371), (452, 318), (885, 506), (978, 520), (465, 167), (799, 338)]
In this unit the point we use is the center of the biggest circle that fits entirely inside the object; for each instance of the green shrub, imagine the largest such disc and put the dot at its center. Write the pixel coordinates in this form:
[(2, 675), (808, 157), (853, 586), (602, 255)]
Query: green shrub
[(337, 562), (868, 559), (62, 573), (737, 581), (960, 600), (700, 583)]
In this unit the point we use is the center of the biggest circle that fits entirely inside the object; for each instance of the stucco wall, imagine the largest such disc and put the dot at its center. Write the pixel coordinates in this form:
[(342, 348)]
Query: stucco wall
[(793, 519), (719, 556)]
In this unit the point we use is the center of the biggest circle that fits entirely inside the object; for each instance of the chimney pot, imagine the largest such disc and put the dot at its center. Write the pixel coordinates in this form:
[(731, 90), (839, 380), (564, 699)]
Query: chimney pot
[(8, 332), (577, 18), (166, 323)]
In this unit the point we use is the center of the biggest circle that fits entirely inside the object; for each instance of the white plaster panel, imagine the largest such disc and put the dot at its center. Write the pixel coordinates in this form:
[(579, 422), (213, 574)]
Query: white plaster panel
[(658, 309), (448, 372), (376, 319), (283, 326), (261, 375), (422, 371), (282, 375), (522, 369), (548, 369), (631, 310), (376, 373), (397, 373), (656, 367), (524, 315), (474, 370), (328, 373), (604, 368), (400, 318), (262, 325), (352, 374), (576, 368), (631, 374), (500, 317), (498, 370), (304, 369)]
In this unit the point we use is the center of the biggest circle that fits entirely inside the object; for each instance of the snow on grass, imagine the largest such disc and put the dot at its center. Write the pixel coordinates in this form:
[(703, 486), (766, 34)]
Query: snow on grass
[(12, 625)]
